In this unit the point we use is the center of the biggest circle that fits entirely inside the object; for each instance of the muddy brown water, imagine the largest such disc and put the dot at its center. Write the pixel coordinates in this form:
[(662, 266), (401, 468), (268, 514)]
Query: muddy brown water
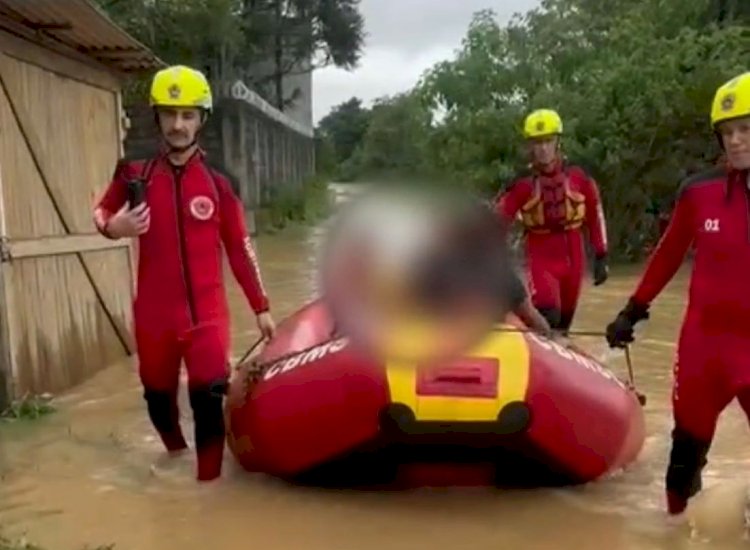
[(85, 475)]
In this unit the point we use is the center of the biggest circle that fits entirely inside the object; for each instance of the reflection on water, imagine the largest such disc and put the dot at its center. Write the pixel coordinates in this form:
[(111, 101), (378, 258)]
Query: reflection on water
[(91, 473)]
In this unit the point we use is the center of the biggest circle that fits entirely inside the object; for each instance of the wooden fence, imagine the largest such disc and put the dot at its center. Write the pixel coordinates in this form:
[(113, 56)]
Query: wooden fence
[(65, 291), (65, 308), (265, 151)]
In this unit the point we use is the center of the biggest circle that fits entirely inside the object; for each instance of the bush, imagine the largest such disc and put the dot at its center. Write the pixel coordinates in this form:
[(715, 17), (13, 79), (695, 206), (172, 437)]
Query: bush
[(307, 203)]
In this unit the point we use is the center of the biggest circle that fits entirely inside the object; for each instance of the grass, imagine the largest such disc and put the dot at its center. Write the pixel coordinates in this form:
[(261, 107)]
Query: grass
[(29, 407), (307, 204), (23, 544)]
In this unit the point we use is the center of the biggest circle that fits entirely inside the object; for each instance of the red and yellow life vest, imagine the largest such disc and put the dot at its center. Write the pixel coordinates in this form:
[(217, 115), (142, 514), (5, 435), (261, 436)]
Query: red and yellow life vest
[(553, 207)]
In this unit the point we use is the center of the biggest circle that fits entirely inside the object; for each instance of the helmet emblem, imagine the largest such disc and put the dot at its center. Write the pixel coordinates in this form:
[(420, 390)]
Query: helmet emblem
[(174, 91), (540, 126), (727, 102)]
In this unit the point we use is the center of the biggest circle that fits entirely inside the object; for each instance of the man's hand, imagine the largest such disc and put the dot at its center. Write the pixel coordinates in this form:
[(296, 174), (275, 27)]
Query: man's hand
[(266, 325), (619, 332), (533, 319), (129, 223)]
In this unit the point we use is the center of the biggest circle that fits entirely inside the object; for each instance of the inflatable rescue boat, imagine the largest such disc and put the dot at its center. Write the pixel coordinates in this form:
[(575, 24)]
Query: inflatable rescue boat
[(517, 410)]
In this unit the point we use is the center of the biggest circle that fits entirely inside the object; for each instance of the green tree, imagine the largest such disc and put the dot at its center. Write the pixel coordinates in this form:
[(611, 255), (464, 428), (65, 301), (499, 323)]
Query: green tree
[(325, 155), (300, 35), (231, 39), (396, 135), (206, 34), (632, 79), (345, 126)]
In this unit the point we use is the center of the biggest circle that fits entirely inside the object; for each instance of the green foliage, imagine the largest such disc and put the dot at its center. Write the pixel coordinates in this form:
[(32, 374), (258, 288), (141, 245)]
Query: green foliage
[(206, 34), (290, 204), (396, 135), (344, 128), (296, 34), (325, 155), (632, 79), (260, 41), (23, 544), (30, 407), (389, 137)]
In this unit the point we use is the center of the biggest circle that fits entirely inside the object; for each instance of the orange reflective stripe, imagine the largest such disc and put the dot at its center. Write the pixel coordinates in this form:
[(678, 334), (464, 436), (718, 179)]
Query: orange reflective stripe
[(532, 213)]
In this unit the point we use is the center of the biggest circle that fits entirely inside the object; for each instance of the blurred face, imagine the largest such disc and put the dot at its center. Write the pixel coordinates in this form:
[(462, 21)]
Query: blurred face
[(543, 150), (179, 126), (735, 134)]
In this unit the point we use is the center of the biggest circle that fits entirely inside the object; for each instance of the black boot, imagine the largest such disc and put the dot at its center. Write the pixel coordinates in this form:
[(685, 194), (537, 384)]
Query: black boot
[(208, 415), (165, 417), (687, 459)]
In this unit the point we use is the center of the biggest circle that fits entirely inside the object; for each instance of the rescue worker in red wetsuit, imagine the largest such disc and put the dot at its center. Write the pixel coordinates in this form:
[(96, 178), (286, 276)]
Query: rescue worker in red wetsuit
[(556, 202), (180, 311), (712, 212)]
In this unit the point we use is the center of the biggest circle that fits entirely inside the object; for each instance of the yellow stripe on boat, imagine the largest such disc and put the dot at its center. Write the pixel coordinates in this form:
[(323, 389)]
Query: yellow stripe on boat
[(510, 349)]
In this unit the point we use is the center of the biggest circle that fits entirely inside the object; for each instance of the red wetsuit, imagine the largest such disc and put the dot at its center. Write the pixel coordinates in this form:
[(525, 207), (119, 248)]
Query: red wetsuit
[(554, 209), (180, 310), (713, 364)]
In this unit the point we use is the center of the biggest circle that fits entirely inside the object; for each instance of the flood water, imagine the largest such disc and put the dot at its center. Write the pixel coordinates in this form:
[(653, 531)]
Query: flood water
[(84, 475)]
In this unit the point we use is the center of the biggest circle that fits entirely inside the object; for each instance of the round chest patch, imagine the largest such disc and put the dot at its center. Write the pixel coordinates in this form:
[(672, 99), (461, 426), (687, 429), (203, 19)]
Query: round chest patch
[(202, 208)]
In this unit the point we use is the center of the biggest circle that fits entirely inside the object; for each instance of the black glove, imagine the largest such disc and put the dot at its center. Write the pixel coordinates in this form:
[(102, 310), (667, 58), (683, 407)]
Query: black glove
[(601, 270), (620, 331)]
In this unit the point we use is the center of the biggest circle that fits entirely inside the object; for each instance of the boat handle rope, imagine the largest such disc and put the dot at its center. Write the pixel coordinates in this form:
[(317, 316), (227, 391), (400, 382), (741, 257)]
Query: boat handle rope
[(247, 354), (631, 377), (599, 334), (256, 369)]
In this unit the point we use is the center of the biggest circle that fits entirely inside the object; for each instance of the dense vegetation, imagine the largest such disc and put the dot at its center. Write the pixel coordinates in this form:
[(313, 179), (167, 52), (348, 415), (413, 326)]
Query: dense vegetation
[(632, 79), (260, 41)]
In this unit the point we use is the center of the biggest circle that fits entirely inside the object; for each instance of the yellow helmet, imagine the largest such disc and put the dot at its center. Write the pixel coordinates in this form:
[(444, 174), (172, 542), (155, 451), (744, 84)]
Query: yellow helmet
[(732, 100), (542, 122), (180, 86)]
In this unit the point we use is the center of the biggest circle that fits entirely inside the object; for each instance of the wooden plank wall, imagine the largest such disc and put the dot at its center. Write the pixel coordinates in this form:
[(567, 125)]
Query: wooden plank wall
[(67, 290)]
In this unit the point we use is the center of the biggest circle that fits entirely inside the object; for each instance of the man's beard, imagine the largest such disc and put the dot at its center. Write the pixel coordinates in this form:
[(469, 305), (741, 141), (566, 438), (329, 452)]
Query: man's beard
[(179, 141)]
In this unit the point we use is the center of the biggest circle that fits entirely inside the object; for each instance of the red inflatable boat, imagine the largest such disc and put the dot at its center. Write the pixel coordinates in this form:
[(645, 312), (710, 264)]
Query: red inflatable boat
[(517, 409)]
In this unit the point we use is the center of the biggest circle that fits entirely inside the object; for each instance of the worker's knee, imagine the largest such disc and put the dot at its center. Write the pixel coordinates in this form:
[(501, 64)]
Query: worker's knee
[(207, 357), (208, 414)]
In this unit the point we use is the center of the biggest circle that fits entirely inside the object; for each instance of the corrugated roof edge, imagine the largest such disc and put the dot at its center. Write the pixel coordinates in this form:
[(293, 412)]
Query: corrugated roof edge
[(156, 62)]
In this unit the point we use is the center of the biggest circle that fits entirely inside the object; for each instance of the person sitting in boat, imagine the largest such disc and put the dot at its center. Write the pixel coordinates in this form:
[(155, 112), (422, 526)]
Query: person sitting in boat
[(421, 273), (711, 213), (476, 260)]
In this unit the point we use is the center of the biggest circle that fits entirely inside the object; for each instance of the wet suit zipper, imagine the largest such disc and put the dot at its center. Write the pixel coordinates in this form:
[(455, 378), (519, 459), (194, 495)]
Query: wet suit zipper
[(178, 173)]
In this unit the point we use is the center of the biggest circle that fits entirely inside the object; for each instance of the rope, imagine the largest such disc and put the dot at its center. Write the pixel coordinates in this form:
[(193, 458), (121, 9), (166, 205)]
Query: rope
[(248, 353), (255, 369), (631, 377)]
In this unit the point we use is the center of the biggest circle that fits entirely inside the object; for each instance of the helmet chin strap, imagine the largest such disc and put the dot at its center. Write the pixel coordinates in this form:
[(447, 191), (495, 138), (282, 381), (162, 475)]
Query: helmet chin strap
[(183, 148)]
